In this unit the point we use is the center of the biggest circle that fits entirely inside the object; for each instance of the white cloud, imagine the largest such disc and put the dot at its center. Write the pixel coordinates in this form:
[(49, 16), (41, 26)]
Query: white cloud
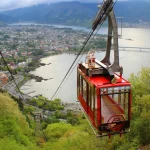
[(11, 4)]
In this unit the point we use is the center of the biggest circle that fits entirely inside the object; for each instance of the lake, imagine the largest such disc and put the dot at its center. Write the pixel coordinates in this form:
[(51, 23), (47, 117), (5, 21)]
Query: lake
[(132, 62)]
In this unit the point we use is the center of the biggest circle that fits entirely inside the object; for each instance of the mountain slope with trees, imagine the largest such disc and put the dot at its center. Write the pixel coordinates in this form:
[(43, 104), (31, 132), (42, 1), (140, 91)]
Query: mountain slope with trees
[(17, 127), (15, 132), (7, 18), (76, 13)]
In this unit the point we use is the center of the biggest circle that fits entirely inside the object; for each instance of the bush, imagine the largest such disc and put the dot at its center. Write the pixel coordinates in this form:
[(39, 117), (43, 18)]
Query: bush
[(44, 103), (56, 130), (142, 128)]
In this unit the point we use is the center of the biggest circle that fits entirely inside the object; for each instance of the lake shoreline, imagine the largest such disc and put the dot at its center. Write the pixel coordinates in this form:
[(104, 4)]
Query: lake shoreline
[(144, 25), (131, 60)]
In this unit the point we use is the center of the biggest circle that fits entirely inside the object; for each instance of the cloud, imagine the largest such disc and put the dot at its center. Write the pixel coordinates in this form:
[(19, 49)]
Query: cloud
[(12, 4)]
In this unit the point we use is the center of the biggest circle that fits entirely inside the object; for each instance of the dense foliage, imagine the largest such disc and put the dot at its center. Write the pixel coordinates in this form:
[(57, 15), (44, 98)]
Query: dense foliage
[(141, 105), (98, 43), (14, 129), (81, 137), (46, 104), (17, 129)]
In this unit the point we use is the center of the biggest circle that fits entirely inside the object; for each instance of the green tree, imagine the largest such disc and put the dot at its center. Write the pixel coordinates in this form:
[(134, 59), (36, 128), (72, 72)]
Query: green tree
[(57, 130), (142, 128), (15, 132), (141, 82), (6, 37), (141, 106)]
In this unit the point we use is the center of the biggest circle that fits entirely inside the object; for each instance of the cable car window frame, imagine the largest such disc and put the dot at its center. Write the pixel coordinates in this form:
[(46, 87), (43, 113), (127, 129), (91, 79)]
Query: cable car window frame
[(89, 96), (84, 90), (123, 90)]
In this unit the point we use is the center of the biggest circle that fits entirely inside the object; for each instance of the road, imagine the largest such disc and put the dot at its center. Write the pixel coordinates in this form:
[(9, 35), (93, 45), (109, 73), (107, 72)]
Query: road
[(12, 89)]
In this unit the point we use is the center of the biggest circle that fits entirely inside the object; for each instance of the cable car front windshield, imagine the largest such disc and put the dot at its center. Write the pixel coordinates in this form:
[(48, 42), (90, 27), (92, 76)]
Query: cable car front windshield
[(115, 101)]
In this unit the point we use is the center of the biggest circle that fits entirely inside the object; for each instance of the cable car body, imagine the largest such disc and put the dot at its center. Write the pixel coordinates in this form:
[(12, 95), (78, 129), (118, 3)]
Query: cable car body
[(107, 104), (103, 93)]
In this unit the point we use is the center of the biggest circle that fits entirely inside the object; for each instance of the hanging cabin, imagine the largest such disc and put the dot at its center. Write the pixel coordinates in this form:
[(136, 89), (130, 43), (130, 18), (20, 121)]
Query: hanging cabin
[(105, 99), (103, 93)]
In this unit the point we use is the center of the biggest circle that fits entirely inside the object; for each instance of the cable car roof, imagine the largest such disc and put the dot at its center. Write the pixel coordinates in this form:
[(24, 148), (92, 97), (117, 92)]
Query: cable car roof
[(104, 81)]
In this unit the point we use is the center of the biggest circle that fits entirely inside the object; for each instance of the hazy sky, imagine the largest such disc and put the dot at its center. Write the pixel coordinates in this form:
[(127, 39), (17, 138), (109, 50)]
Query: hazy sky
[(12, 4)]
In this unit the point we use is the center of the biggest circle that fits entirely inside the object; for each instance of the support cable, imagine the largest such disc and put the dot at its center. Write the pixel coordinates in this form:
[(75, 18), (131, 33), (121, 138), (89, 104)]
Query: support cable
[(98, 21), (11, 75), (74, 62), (93, 37), (80, 58), (81, 55)]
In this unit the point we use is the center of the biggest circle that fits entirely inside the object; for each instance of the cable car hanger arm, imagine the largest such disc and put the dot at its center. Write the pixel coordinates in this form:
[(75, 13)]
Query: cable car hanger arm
[(103, 12)]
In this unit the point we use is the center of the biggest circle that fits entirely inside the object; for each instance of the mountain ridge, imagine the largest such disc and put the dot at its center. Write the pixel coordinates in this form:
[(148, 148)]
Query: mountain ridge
[(76, 13), (6, 18)]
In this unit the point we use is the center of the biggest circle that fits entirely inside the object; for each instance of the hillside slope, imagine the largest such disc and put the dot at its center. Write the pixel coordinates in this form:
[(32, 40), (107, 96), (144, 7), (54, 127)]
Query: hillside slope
[(69, 13), (76, 13), (7, 18), (14, 129), (15, 133)]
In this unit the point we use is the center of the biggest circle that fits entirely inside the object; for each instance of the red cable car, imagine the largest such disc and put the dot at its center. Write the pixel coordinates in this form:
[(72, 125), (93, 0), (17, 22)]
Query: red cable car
[(103, 93), (107, 104)]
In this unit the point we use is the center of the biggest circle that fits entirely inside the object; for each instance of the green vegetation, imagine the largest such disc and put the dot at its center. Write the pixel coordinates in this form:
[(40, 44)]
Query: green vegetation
[(15, 60), (3, 68), (6, 37), (31, 30), (98, 43), (38, 52), (141, 105), (57, 116), (32, 65), (2, 24), (30, 44), (81, 137), (15, 132), (75, 13), (46, 104), (73, 132), (1, 33)]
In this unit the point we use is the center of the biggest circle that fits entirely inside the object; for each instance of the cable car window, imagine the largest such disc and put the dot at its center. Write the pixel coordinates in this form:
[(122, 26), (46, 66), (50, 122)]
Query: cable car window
[(81, 85), (115, 101), (93, 99), (84, 90), (90, 96), (78, 84)]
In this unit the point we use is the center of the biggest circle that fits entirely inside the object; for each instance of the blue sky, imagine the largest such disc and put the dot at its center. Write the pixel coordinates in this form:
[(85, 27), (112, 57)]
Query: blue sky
[(12, 4)]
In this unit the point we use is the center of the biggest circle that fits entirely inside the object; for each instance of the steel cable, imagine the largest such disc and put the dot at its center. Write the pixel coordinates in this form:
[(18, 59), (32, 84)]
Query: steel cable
[(91, 40), (11, 75), (84, 44)]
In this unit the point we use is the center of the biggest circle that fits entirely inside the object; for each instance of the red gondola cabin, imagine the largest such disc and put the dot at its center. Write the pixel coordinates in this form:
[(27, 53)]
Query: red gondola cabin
[(104, 95), (106, 99)]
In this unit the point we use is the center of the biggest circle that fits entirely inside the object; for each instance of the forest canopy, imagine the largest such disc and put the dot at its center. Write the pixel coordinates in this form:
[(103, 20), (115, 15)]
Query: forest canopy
[(17, 127)]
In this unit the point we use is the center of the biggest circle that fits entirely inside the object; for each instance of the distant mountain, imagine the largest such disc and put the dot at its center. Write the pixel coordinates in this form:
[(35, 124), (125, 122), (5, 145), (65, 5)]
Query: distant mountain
[(67, 13), (7, 18), (76, 13), (133, 11), (2, 24)]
